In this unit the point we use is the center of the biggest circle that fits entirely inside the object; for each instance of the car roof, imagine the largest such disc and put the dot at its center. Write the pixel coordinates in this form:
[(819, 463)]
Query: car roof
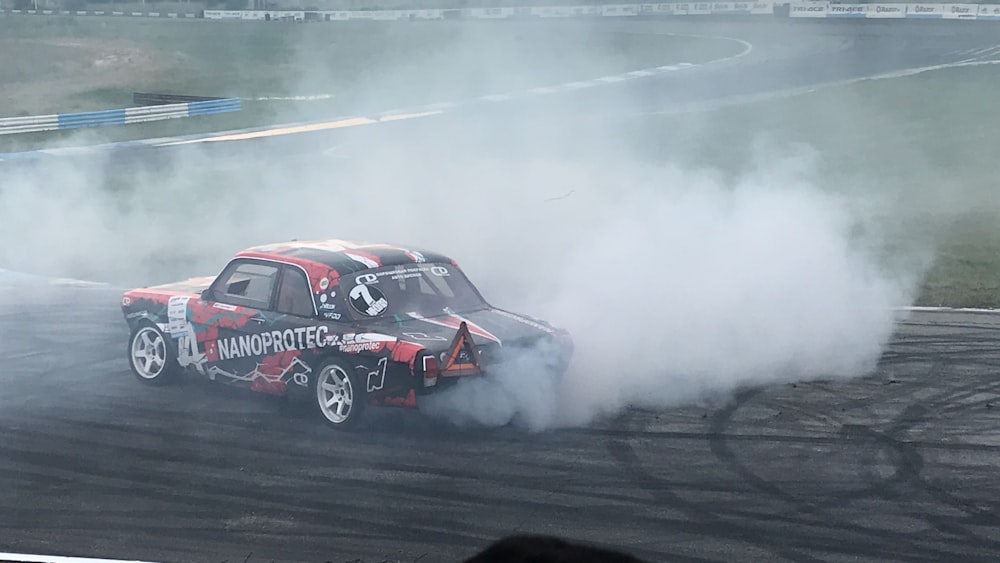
[(343, 256)]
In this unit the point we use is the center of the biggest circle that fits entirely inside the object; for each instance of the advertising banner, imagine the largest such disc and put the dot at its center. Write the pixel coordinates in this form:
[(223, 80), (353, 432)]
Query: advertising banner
[(621, 10), (808, 9), (988, 12), (960, 11), (679, 9), (887, 11), (848, 11), (699, 9), (925, 11)]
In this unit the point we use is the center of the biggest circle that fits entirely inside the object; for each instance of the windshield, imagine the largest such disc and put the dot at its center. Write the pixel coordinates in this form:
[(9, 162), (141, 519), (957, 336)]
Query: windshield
[(425, 289)]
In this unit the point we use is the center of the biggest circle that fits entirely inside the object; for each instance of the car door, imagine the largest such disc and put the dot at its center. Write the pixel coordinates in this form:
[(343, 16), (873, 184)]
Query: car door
[(297, 332), (239, 299), (264, 309)]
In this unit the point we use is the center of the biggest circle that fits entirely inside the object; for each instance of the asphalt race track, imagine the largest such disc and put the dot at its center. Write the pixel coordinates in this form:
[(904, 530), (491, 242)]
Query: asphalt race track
[(900, 464)]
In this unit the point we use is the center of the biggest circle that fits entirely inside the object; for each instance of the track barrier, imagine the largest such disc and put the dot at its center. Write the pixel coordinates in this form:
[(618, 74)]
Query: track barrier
[(794, 9), (35, 124)]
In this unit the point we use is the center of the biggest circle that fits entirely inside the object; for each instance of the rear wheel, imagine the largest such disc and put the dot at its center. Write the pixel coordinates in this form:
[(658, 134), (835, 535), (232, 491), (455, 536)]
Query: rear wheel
[(152, 359), (339, 395)]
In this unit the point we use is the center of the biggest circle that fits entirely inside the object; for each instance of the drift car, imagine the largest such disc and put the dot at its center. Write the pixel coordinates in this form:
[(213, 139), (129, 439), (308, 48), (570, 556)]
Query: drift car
[(339, 324)]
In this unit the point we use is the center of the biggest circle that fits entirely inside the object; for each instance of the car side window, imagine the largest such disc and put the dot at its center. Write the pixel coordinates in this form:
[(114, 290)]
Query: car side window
[(248, 284), (294, 297)]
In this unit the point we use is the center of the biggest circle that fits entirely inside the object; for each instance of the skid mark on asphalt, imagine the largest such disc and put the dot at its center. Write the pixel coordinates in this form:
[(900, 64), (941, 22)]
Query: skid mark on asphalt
[(899, 464), (711, 523), (891, 432)]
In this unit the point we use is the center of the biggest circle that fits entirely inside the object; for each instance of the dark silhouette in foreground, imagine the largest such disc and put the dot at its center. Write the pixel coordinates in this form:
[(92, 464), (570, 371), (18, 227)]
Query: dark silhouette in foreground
[(546, 549)]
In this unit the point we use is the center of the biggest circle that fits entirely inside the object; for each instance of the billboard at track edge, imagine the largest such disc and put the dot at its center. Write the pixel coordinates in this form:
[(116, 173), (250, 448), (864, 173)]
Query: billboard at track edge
[(960, 11), (699, 9), (492, 13), (988, 12), (797, 9), (658, 9), (808, 9), (925, 11), (620, 10), (731, 8), (879, 11), (847, 11)]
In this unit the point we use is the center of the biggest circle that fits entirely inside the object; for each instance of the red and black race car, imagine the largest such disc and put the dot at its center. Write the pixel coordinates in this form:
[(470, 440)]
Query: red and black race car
[(340, 324)]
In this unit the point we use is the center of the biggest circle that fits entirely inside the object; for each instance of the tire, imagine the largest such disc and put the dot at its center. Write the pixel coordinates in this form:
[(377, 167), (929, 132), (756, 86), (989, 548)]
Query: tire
[(339, 396), (151, 355)]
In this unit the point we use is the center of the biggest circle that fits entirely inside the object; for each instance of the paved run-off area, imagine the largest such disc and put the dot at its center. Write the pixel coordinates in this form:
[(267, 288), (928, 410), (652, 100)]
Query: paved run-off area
[(897, 465)]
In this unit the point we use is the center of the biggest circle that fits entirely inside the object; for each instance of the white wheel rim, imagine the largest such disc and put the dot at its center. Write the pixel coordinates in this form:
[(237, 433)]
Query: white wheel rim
[(334, 394), (149, 353)]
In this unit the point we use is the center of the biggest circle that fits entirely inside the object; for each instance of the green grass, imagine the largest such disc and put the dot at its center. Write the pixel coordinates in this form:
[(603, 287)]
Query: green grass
[(64, 64), (923, 150)]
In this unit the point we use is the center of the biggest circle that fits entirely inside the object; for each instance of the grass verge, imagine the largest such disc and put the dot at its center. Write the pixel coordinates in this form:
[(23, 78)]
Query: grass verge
[(921, 150), (66, 64)]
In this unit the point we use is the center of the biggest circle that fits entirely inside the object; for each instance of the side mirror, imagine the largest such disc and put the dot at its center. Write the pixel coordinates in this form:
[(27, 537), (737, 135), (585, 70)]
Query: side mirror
[(206, 294)]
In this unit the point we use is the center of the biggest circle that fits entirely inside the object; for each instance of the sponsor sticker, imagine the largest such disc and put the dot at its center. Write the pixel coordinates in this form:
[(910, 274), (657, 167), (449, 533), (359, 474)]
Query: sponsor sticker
[(364, 342), (376, 378), (355, 347), (275, 341), (368, 300)]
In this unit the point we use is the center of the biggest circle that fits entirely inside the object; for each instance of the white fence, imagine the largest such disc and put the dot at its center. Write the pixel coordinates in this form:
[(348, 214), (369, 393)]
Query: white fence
[(170, 15), (38, 123), (765, 7), (895, 11), (797, 9)]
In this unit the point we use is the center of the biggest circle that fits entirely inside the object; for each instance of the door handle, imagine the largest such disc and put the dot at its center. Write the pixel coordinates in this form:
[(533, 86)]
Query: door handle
[(258, 320)]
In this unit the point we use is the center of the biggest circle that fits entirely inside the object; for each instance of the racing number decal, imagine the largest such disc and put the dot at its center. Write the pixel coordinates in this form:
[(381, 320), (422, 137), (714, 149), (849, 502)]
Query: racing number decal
[(376, 379), (368, 300), (181, 329)]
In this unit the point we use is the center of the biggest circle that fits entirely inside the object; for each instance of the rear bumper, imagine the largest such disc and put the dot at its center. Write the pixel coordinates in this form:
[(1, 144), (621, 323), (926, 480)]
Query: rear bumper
[(550, 361), (445, 383)]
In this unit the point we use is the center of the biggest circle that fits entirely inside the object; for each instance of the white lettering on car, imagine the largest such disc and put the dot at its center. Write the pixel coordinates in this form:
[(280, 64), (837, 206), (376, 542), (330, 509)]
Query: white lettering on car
[(376, 379), (266, 343)]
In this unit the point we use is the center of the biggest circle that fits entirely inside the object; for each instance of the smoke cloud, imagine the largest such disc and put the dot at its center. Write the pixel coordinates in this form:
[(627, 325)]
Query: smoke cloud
[(684, 287), (677, 283)]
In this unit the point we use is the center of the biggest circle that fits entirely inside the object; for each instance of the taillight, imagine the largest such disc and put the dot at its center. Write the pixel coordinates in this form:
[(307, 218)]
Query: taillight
[(431, 370)]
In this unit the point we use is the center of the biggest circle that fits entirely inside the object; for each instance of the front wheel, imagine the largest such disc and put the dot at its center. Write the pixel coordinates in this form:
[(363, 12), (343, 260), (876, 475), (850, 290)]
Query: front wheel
[(150, 355), (339, 395)]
